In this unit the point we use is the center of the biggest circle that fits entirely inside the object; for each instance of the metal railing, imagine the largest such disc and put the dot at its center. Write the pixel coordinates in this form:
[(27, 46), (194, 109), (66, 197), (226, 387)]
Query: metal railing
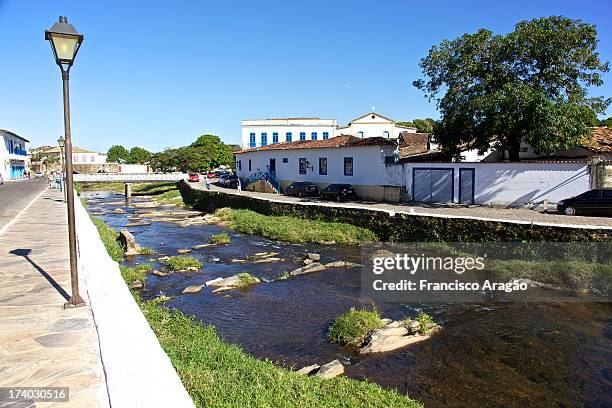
[(262, 175), (128, 177)]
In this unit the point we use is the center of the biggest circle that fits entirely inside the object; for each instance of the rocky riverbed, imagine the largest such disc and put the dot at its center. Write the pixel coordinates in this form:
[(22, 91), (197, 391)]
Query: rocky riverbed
[(489, 354)]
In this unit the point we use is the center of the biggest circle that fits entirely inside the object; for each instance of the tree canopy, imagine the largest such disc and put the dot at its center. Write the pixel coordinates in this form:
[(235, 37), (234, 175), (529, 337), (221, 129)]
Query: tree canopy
[(206, 153), (422, 125), (117, 154), (529, 85), (138, 155)]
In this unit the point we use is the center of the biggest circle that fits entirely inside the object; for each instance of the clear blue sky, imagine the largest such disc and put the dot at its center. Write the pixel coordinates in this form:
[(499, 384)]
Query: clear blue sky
[(159, 73)]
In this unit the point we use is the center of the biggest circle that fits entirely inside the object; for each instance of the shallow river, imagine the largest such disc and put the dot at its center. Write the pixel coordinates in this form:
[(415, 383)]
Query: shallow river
[(513, 355)]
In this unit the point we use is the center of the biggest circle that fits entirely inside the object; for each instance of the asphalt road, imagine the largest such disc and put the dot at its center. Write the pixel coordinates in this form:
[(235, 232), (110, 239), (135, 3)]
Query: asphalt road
[(14, 196)]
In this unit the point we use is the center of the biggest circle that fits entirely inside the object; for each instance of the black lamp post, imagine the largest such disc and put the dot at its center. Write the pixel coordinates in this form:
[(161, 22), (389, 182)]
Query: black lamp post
[(65, 43), (60, 143)]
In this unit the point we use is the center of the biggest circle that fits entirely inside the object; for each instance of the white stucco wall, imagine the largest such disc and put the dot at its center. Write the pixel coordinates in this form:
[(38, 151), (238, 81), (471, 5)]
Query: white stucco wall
[(515, 184), (89, 158), (282, 126), (368, 164), (138, 371)]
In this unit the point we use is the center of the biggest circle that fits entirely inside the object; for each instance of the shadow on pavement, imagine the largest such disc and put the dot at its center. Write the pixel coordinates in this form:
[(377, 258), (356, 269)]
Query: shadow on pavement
[(26, 254)]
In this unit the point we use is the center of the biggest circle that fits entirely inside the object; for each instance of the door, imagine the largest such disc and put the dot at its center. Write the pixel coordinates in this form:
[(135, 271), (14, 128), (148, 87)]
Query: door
[(466, 186), (432, 185), (272, 168)]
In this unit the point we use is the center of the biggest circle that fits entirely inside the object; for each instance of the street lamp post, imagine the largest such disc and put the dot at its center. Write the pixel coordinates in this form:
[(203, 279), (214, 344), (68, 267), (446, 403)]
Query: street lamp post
[(65, 43), (60, 143)]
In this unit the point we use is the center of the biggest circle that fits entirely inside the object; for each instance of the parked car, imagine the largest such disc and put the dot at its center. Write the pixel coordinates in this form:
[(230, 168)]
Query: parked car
[(228, 180), (39, 174), (302, 189), (338, 192), (1, 180), (592, 202), (194, 178)]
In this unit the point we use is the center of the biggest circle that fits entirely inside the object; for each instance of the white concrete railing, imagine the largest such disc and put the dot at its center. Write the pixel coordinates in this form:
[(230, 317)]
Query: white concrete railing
[(138, 371), (128, 177)]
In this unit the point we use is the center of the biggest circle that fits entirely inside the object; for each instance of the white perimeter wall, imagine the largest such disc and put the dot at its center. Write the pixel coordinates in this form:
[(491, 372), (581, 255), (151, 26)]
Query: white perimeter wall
[(516, 184), (368, 164)]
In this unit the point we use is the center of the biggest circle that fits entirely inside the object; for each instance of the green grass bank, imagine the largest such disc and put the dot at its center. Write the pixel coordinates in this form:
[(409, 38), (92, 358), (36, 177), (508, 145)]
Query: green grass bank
[(219, 374)]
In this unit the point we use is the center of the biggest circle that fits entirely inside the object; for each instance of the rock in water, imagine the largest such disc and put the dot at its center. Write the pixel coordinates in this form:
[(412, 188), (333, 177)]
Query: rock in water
[(127, 241), (192, 289), (313, 257), (118, 211), (308, 369), (183, 251), (330, 370), (313, 267)]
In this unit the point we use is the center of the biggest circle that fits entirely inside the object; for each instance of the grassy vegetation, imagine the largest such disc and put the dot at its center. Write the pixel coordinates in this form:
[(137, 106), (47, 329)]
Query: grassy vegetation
[(218, 374), (577, 275), (426, 323), (246, 279), (166, 193), (293, 229), (109, 239), (170, 197), (132, 274), (353, 326), (146, 251), (220, 239), (180, 262)]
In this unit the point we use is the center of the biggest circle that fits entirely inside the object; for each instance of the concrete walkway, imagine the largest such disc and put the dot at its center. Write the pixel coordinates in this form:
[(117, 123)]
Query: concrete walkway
[(41, 344), (511, 215)]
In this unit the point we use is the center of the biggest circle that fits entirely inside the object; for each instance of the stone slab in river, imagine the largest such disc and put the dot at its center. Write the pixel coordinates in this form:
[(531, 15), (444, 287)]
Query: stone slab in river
[(330, 370), (313, 267)]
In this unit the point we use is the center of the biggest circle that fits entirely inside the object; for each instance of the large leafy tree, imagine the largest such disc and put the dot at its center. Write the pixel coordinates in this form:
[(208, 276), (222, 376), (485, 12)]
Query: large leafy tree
[(529, 85), (117, 154), (138, 155), (206, 153), (422, 125)]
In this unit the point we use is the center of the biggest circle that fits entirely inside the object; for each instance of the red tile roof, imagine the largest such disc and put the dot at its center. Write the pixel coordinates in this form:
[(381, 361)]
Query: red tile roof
[(601, 141), (411, 144), (334, 142)]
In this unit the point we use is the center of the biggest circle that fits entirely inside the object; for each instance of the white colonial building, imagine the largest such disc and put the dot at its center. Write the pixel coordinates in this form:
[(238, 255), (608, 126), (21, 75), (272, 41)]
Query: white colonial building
[(364, 163), (264, 132), (13, 155)]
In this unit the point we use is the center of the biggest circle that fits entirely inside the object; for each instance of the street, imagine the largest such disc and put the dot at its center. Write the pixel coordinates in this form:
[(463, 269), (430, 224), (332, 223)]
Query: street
[(14, 196)]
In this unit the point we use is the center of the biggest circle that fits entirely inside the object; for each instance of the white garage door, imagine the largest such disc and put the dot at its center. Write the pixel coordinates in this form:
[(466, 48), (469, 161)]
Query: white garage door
[(433, 185)]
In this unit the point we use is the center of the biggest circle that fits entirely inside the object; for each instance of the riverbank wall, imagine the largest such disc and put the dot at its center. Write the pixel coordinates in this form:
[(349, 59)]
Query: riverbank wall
[(138, 371), (394, 226)]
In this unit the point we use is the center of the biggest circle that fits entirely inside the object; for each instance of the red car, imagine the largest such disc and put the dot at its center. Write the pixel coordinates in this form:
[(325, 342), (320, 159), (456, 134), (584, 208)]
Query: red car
[(194, 178)]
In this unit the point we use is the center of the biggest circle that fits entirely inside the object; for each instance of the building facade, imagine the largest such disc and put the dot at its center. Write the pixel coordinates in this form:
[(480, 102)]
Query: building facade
[(264, 132), (14, 161), (46, 159), (339, 160)]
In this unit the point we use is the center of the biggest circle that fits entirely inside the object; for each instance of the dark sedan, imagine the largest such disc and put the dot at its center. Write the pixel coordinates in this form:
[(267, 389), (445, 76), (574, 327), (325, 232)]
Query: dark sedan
[(338, 192), (592, 202), (302, 189)]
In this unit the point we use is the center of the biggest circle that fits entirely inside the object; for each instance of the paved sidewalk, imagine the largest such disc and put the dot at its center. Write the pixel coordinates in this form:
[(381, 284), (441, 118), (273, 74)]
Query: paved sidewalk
[(513, 215), (41, 344), (15, 196)]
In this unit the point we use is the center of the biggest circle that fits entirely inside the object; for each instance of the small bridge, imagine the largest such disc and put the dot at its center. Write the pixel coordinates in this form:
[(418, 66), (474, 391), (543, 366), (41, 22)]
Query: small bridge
[(128, 177)]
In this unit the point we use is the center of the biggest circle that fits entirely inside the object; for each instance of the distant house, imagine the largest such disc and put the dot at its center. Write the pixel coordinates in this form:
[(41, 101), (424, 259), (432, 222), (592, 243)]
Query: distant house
[(13, 155), (47, 158), (344, 159), (265, 132)]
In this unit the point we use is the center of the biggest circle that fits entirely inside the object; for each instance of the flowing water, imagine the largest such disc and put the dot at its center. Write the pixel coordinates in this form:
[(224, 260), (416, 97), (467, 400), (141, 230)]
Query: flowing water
[(513, 354)]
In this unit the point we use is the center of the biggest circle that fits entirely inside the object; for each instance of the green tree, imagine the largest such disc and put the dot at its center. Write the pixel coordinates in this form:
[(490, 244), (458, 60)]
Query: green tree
[(117, 154), (605, 122), (529, 85), (138, 155), (214, 151)]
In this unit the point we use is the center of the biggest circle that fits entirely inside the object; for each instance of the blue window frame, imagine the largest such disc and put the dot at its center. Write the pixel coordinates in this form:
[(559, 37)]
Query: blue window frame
[(274, 137), (302, 165), (302, 135), (285, 160), (239, 165), (288, 137), (325, 135), (252, 143), (249, 164), (313, 135), (348, 166), (264, 139)]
